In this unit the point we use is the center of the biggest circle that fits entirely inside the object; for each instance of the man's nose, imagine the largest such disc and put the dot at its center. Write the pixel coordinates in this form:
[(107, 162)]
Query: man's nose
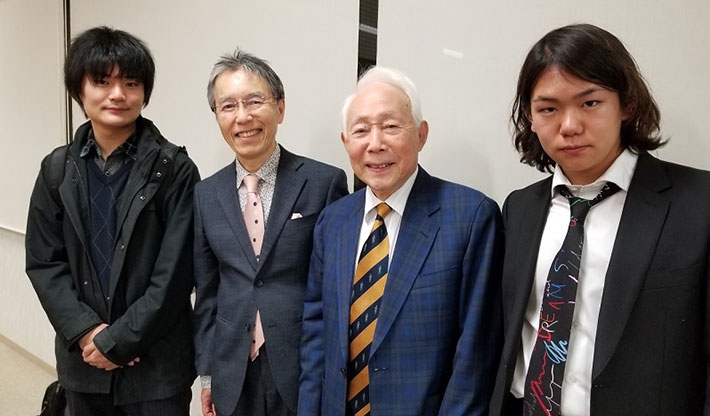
[(571, 123), (117, 92), (375, 139)]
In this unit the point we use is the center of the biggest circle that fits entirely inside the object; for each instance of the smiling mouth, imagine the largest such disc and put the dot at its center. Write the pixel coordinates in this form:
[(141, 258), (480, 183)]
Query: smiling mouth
[(380, 166), (249, 133)]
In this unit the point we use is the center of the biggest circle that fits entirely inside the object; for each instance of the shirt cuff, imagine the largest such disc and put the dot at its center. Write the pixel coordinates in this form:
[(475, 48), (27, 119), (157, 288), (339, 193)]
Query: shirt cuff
[(206, 382)]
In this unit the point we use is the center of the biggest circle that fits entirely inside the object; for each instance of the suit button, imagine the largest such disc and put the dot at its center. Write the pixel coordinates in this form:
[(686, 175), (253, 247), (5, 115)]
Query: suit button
[(247, 328), (259, 283), (343, 372)]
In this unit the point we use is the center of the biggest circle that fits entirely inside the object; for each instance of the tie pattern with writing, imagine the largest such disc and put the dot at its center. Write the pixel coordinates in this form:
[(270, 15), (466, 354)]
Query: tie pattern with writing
[(543, 384)]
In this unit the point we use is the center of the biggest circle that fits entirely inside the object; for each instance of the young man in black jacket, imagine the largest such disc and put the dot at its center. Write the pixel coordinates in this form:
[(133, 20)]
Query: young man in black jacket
[(109, 246)]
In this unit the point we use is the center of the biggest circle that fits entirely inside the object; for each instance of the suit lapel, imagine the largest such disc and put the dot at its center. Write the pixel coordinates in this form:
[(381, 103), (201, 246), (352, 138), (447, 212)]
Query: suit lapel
[(289, 185), (346, 250), (417, 233), (522, 261), (640, 227), (229, 202)]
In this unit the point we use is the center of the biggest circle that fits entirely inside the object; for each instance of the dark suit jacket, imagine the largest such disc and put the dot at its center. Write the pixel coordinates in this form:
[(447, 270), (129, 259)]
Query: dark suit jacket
[(230, 284), (438, 335), (651, 352)]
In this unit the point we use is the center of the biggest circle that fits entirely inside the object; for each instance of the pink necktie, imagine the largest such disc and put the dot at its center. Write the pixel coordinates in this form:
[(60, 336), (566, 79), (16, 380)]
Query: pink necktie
[(254, 220)]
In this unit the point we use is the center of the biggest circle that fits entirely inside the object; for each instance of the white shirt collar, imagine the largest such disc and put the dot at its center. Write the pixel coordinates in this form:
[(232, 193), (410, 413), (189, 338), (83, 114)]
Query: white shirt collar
[(397, 201), (620, 172)]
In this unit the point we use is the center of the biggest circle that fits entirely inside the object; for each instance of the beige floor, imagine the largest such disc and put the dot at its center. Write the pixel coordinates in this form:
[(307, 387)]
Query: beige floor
[(23, 380), (22, 383)]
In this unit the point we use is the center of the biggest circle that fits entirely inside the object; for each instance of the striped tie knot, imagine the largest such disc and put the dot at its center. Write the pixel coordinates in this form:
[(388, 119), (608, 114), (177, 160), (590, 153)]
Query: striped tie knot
[(382, 211)]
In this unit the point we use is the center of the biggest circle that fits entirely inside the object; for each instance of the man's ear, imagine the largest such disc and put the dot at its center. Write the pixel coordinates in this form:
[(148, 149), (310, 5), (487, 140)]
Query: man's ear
[(281, 110), (423, 133), (629, 110)]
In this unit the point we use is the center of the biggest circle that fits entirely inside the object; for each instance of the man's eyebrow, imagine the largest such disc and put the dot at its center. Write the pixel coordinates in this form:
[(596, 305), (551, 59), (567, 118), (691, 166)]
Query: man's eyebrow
[(542, 98)]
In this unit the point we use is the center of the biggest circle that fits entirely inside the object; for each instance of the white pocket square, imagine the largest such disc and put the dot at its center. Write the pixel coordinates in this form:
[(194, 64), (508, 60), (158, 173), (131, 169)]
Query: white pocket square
[(296, 215)]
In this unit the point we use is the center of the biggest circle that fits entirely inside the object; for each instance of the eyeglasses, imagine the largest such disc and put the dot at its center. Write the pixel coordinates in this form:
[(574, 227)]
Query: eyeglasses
[(250, 105)]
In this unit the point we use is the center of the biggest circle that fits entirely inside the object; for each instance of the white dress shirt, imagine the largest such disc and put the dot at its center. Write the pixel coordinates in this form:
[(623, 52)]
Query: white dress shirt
[(600, 229), (397, 201)]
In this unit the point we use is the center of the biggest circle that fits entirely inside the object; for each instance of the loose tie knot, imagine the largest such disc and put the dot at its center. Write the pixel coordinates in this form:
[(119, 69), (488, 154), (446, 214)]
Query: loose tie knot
[(579, 207)]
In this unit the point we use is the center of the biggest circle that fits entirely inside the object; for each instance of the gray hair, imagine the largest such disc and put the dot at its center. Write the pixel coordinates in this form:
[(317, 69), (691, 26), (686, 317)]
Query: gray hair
[(393, 77), (243, 60)]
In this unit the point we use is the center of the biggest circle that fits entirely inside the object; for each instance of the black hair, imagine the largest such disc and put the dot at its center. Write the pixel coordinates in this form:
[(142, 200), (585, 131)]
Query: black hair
[(593, 55), (95, 52)]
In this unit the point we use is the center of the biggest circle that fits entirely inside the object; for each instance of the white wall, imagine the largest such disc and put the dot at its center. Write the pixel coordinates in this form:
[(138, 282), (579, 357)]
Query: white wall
[(31, 124), (22, 319), (31, 101), (465, 57)]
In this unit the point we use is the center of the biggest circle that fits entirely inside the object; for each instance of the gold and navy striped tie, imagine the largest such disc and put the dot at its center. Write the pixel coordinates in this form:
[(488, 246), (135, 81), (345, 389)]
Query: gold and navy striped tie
[(368, 287)]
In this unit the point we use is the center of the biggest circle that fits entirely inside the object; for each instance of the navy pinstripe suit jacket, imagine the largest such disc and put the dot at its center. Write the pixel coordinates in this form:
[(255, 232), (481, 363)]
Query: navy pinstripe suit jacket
[(230, 284)]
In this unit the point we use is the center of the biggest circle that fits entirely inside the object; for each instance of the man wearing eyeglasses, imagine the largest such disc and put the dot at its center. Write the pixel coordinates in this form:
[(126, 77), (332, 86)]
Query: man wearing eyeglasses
[(254, 224)]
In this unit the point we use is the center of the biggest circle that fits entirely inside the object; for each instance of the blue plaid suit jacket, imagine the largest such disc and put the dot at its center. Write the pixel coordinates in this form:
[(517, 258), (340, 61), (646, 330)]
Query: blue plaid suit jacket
[(438, 338)]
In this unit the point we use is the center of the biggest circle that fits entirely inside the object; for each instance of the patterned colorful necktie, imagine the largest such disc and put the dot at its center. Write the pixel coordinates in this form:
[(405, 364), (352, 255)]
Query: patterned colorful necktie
[(543, 384), (254, 220), (368, 287)]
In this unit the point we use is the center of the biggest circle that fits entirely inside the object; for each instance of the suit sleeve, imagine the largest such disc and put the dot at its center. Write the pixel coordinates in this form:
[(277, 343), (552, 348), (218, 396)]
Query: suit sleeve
[(148, 319), (478, 350), (206, 286), (47, 266), (312, 339)]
